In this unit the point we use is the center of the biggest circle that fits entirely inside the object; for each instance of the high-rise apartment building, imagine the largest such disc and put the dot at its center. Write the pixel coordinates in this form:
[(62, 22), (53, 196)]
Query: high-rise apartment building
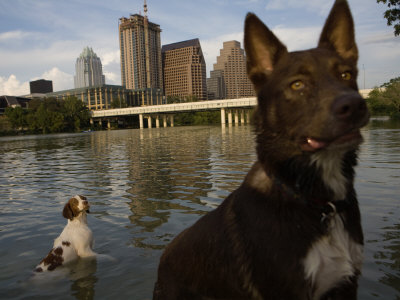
[(88, 70), (140, 48), (184, 70), (232, 62)]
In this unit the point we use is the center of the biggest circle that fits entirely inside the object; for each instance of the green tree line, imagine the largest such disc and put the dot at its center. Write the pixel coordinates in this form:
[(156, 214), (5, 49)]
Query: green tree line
[(385, 100), (193, 118), (50, 116)]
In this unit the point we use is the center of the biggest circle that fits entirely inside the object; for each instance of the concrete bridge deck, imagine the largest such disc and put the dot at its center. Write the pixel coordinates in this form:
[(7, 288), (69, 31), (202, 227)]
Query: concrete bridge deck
[(167, 110)]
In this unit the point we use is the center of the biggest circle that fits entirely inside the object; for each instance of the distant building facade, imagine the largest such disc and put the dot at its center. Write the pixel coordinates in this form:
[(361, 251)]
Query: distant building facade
[(12, 101), (216, 87), (184, 70), (41, 86), (101, 97), (232, 63), (88, 70), (140, 48)]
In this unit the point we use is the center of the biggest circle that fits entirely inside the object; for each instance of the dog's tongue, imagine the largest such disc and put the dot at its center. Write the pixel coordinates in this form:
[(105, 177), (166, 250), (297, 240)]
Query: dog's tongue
[(315, 144)]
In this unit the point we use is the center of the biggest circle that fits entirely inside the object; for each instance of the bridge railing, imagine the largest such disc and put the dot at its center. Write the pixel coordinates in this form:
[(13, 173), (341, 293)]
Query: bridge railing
[(177, 107)]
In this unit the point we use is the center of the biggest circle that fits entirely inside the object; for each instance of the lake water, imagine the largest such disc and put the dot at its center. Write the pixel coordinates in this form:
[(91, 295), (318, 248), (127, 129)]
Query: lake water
[(146, 186)]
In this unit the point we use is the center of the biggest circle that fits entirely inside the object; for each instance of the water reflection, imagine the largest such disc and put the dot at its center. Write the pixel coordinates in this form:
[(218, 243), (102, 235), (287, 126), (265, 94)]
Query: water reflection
[(389, 256), (146, 186), (83, 278)]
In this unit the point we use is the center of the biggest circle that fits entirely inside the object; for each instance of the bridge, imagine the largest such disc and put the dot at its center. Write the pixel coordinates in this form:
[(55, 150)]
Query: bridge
[(237, 110)]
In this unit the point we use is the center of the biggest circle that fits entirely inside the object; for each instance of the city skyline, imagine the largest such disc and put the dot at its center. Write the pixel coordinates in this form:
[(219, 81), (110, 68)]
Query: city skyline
[(42, 38)]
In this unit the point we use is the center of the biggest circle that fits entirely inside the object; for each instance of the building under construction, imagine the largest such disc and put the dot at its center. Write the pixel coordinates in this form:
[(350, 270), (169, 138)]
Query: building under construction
[(140, 47)]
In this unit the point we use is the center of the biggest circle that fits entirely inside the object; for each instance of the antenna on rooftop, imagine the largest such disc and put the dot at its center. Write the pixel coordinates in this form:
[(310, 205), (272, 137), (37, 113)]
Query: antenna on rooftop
[(145, 9)]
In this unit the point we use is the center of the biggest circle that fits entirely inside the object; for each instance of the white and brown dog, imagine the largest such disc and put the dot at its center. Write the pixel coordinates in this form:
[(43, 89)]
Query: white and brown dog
[(76, 240)]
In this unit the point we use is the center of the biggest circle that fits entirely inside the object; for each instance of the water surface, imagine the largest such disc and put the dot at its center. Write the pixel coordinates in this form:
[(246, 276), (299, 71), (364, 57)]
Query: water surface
[(146, 186)]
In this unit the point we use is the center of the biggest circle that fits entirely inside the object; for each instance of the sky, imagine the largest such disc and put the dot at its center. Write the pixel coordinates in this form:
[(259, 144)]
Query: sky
[(41, 39)]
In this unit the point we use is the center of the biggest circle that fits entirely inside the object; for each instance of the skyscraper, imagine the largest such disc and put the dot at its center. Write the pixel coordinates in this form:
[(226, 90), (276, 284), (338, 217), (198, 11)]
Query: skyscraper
[(216, 87), (232, 62), (88, 70), (184, 70), (140, 48)]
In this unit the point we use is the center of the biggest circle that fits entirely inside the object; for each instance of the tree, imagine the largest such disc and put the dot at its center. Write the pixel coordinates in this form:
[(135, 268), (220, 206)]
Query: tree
[(16, 116), (392, 15), (386, 99), (76, 114)]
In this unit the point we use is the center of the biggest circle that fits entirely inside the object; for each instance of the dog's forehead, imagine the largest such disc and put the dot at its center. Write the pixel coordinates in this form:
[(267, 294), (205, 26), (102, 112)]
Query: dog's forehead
[(80, 198), (305, 62)]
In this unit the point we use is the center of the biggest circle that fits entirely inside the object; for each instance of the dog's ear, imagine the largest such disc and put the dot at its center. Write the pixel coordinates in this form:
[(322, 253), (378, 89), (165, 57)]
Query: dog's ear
[(263, 49), (70, 209), (338, 32)]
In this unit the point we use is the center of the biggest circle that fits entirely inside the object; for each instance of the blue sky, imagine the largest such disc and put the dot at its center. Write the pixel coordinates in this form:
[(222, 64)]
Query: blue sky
[(43, 38)]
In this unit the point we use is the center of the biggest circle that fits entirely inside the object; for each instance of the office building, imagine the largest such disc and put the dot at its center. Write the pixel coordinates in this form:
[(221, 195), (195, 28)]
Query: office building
[(41, 86), (216, 87), (88, 70), (232, 62), (184, 70), (140, 48), (102, 97)]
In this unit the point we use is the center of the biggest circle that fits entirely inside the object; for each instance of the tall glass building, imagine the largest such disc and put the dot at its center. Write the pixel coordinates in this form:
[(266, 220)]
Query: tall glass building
[(88, 70)]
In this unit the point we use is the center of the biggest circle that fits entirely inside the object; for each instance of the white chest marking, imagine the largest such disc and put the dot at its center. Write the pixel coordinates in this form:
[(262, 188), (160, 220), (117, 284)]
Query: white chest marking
[(330, 162), (333, 258)]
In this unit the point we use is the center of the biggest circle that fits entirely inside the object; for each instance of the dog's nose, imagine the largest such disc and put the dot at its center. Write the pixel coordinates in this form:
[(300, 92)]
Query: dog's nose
[(349, 107)]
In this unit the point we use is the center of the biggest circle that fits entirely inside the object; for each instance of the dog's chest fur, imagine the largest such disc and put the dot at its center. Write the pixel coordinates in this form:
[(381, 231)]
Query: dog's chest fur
[(335, 256)]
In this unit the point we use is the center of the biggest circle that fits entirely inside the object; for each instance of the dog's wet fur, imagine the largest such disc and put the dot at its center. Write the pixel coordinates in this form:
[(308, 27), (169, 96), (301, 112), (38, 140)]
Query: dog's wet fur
[(292, 230)]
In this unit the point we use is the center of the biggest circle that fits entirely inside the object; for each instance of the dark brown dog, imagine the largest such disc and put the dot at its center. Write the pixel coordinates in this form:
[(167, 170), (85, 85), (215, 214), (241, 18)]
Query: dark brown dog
[(292, 229)]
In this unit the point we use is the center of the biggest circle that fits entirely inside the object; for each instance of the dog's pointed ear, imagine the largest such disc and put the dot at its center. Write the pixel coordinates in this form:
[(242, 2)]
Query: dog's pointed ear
[(338, 32), (263, 49)]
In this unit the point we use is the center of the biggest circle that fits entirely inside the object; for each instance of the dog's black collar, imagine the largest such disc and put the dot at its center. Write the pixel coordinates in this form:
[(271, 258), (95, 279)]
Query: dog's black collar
[(327, 209)]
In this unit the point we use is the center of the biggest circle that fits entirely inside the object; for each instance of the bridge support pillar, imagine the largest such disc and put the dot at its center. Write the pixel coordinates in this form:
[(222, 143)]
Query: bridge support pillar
[(229, 116), (157, 121), (223, 116), (165, 121), (236, 116), (141, 121), (149, 122), (108, 124), (242, 116), (247, 116), (171, 119)]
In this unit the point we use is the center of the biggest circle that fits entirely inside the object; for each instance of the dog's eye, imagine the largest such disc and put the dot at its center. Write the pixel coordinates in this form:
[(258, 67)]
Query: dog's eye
[(346, 75), (297, 85)]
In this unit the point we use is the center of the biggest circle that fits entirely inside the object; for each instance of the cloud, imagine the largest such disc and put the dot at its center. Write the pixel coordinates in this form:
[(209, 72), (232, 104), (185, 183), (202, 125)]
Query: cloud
[(112, 78), (110, 57), (12, 35), (322, 7), (298, 38), (61, 80), (12, 86)]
